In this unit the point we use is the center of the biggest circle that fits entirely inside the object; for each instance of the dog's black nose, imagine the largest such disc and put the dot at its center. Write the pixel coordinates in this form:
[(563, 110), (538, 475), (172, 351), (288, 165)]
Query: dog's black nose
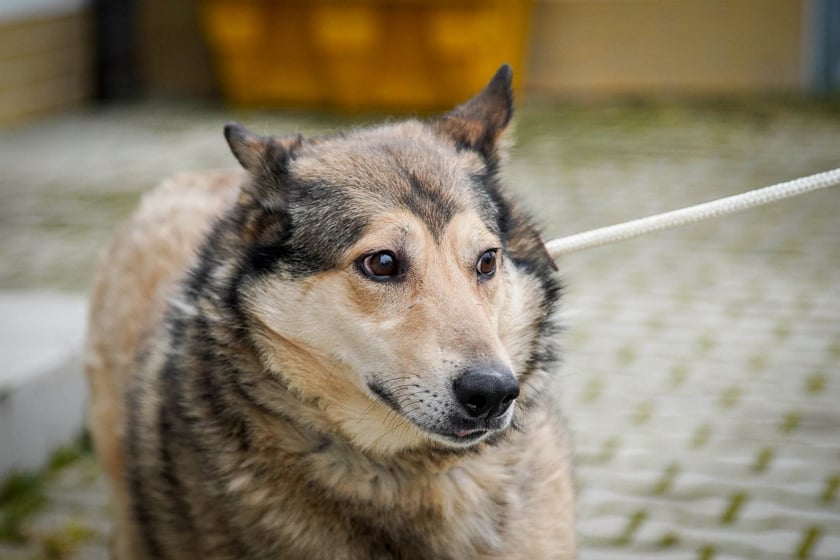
[(486, 392)]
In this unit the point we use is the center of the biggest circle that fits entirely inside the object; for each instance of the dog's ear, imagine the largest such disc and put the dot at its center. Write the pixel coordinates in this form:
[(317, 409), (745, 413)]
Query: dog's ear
[(479, 123), (259, 154)]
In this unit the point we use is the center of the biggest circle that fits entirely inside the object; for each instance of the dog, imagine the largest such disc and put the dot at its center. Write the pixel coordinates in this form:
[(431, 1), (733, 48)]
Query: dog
[(344, 351)]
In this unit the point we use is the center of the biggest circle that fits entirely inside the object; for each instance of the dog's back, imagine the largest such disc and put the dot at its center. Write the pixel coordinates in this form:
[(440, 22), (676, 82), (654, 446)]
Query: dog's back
[(345, 353), (140, 269)]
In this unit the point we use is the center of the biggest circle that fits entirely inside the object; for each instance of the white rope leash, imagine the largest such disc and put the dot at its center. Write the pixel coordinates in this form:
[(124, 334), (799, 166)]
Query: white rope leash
[(675, 218)]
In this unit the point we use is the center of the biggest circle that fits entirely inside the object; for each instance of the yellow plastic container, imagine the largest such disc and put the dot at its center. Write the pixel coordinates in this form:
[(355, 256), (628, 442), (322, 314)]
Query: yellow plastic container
[(355, 54)]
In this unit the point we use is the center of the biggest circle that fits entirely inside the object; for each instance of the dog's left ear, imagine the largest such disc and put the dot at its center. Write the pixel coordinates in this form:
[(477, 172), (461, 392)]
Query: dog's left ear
[(259, 154), (479, 123)]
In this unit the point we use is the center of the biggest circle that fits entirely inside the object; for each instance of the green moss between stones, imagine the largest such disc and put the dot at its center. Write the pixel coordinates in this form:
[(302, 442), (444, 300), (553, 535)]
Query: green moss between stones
[(22, 494)]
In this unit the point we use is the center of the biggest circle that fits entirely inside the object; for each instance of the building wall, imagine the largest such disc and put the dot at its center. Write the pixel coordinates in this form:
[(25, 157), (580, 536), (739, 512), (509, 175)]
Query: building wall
[(638, 47), (45, 62), (173, 56), (578, 48)]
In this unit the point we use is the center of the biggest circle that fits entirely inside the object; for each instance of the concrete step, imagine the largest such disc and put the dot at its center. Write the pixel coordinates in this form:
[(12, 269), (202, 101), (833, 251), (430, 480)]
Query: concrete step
[(43, 393)]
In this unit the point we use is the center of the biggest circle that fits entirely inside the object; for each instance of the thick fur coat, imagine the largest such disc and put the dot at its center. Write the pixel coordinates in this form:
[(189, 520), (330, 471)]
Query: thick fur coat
[(344, 352)]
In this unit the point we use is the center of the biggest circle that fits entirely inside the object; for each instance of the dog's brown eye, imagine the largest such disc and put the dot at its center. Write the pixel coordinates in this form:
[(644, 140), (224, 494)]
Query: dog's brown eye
[(381, 266), (486, 265)]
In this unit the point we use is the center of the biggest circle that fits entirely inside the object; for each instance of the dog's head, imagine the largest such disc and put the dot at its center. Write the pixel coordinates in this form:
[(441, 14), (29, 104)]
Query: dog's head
[(384, 275)]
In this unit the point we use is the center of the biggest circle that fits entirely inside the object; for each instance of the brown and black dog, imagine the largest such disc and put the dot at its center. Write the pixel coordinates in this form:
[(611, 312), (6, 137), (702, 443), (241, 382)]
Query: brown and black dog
[(344, 352)]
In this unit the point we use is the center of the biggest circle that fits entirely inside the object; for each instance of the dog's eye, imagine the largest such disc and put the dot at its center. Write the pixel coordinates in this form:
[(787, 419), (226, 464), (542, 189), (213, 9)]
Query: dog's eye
[(486, 265), (381, 266)]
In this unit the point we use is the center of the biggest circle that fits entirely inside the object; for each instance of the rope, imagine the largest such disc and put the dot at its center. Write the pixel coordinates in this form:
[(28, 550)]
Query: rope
[(675, 218)]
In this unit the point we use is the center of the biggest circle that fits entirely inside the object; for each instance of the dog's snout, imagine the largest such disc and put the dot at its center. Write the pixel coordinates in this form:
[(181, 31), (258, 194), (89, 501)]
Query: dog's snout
[(486, 392)]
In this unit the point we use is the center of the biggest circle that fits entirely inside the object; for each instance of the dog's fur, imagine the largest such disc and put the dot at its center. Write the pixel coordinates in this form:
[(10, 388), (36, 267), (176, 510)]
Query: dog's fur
[(257, 394)]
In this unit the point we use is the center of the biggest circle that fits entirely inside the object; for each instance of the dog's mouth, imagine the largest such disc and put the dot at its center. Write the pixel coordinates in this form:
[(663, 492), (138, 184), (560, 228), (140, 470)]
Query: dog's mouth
[(454, 432), (455, 429), (462, 436), (469, 433), (466, 437)]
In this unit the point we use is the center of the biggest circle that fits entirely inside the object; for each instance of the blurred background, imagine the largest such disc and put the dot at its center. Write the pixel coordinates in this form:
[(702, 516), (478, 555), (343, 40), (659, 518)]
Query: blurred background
[(701, 374)]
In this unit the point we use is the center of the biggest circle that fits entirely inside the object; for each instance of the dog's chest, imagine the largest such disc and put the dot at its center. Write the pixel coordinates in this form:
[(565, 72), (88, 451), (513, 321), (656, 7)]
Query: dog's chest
[(368, 511)]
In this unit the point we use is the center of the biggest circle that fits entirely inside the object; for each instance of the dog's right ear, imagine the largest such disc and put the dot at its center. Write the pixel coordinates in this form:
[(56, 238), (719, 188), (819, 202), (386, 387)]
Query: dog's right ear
[(260, 154)]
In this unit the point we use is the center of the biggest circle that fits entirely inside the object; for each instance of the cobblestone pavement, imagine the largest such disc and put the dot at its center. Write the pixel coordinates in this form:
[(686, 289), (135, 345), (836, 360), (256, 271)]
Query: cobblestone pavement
[(702, 366)]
